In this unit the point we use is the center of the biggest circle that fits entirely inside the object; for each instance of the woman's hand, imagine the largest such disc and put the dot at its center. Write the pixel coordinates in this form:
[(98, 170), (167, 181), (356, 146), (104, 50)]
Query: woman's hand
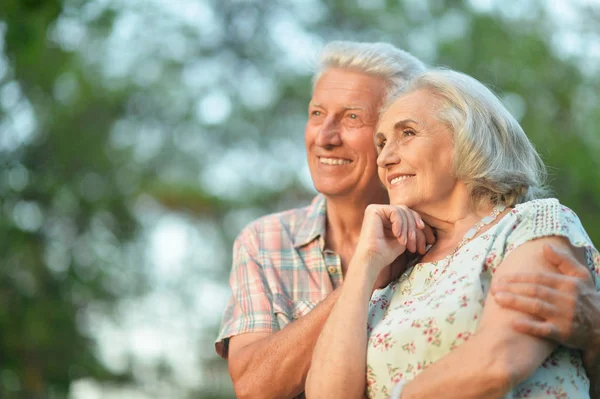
[(388, 231)]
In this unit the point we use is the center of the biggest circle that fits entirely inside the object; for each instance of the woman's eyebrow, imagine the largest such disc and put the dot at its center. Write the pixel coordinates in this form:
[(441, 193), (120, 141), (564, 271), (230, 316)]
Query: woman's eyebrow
[(400, 124)]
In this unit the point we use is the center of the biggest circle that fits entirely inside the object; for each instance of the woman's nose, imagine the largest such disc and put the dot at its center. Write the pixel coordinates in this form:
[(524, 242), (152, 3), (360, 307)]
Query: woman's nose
[(389, 155)]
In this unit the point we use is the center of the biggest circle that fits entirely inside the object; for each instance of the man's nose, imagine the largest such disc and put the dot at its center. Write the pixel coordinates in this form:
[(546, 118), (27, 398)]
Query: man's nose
[(329, 134)]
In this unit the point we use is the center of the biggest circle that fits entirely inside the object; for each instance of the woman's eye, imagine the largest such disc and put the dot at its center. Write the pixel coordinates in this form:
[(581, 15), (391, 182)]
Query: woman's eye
[(409, 132), (380, 144)]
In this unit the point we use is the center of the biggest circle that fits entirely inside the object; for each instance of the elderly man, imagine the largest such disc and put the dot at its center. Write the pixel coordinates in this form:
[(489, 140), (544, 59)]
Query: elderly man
[(288, 266)]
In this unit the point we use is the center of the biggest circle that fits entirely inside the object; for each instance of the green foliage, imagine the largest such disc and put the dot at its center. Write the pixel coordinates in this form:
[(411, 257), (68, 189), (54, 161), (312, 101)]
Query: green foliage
[(65, 222)]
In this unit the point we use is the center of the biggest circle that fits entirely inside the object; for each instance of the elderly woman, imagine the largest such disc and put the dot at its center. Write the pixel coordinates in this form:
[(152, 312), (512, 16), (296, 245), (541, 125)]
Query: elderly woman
[(453, 157)]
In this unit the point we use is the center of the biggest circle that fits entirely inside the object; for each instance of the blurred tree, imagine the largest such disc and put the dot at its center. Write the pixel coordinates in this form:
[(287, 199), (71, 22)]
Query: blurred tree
[(68, 233)]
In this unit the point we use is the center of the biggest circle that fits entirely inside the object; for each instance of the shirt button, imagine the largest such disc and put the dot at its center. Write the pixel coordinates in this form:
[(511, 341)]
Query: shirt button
[(332, 269)]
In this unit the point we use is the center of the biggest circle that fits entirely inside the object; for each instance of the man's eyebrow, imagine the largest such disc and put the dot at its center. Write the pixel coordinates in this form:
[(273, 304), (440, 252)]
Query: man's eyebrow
[(346, 107), (350, 107)]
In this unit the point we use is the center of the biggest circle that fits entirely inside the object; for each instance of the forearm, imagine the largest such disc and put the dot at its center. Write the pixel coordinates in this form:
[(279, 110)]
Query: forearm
[(339, 361), (480, 368), (467, 372), (276, 366)]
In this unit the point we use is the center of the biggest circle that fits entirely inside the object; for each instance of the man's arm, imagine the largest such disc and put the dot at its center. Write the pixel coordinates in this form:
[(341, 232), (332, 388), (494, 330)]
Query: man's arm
[(264, 361), (275, 365), (566, 304)]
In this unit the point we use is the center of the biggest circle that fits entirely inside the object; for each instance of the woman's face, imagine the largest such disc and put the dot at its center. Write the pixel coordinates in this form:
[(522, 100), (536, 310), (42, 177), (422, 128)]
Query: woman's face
[(415, 152)]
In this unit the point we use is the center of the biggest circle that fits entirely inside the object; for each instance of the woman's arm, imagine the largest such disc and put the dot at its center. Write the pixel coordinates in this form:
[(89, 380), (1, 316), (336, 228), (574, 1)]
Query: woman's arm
[(497, 357), (565, 303), (338, 366)]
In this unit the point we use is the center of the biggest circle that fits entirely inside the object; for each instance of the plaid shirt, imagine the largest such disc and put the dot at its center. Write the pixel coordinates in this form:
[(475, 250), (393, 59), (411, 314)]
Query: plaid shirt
[(281, 271)]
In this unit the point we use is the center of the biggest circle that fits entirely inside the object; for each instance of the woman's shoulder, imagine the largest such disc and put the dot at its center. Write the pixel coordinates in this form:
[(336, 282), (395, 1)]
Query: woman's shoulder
[(544, 213), (538, 205), (546, 217)]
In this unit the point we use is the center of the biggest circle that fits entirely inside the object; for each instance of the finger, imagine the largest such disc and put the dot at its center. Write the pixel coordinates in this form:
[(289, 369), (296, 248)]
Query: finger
[(541, 329), (535, 307), (395, 220), (421, 242), (531, 290), (401, 218), (419, 221), (411, 227), (429, 235), (551, 280), (556, 256), (565, 262)]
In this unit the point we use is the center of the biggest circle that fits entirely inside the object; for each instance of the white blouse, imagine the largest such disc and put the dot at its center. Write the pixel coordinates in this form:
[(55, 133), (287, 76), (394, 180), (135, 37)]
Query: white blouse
[(435, 307)]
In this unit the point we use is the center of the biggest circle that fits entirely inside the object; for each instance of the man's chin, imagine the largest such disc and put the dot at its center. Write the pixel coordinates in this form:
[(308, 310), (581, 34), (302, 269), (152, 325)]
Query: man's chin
[(332, 192), (332, 188)]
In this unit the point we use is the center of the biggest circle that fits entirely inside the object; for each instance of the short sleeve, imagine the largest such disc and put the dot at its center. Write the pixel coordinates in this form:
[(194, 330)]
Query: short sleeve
[(548, 217), (250, 308)]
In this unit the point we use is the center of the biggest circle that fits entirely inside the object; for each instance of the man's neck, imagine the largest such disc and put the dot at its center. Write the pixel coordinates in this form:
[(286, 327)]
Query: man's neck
[(344, 221)]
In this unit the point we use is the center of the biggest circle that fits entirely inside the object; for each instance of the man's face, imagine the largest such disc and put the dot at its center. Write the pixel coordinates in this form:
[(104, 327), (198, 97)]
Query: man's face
[(342, 116)]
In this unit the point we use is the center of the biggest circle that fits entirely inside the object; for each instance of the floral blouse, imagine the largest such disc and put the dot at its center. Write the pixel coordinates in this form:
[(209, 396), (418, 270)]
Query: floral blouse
[(435, 307)]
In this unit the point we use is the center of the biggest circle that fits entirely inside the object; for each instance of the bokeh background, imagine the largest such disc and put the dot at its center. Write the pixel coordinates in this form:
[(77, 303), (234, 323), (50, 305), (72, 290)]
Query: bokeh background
[(138, 137)]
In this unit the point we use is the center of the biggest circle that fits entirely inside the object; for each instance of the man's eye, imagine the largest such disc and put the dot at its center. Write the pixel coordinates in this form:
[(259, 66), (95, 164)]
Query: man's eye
[(353, 116), (316, 113)]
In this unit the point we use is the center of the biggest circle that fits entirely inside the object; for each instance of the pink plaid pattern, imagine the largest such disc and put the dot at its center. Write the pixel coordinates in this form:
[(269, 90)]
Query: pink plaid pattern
[(280, 272)]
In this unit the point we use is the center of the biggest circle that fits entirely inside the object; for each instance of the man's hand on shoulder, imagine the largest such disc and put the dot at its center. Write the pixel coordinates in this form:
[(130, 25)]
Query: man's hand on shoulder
[(566, 302)]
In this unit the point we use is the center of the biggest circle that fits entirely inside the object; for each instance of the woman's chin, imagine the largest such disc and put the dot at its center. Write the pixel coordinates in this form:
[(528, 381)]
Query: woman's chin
[(403, 200)]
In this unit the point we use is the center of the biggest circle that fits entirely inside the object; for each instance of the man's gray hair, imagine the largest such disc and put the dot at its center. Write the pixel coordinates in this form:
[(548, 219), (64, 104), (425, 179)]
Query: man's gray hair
[(395, 66), (492, 153)]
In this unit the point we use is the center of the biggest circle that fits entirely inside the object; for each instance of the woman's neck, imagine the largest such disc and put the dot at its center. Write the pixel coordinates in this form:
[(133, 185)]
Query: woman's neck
[(452, 219)]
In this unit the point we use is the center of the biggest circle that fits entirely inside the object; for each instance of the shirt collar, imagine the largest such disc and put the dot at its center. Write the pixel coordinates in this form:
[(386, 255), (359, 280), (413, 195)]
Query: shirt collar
[(314, 223)]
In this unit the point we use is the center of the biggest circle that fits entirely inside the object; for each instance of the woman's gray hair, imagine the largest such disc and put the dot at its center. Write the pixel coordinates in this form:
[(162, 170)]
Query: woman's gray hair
[(492, 153), (378, 59)]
